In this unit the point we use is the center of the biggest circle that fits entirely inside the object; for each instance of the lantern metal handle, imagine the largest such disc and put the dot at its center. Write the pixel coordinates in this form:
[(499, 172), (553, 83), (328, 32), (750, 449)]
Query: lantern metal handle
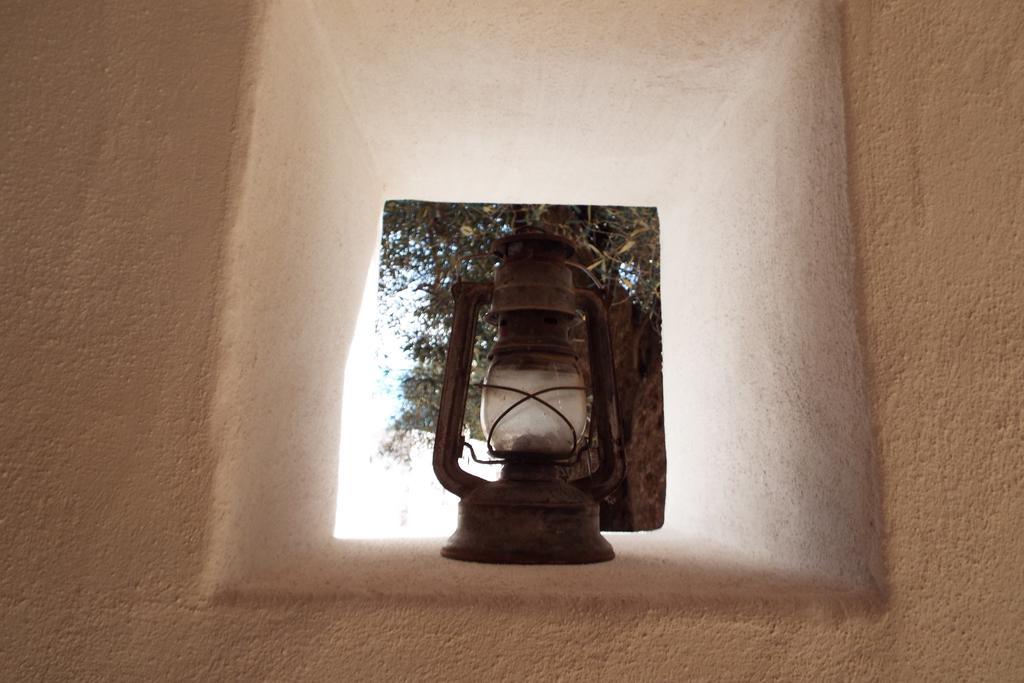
[(604, 411), (448, 442)]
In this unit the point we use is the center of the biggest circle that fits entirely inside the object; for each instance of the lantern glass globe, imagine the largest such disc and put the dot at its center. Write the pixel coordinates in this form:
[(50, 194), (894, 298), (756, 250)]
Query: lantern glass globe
[(530, 426)]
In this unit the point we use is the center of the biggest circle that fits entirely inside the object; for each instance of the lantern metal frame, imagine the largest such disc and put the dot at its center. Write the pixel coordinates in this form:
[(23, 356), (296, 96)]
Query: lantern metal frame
[(532, 514)]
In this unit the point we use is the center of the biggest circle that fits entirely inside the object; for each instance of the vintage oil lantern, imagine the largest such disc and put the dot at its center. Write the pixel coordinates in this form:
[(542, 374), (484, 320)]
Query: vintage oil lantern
[(534, 412)]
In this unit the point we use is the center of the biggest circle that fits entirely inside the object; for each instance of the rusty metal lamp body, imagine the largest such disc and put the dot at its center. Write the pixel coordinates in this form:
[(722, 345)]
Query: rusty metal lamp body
[(533, 410)]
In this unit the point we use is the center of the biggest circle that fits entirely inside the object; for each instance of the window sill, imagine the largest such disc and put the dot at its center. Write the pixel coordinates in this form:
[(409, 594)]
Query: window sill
[(650, 570)]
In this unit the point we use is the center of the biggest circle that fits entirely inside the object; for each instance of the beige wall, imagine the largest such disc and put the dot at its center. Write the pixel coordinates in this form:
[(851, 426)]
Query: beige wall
[(120, 124)]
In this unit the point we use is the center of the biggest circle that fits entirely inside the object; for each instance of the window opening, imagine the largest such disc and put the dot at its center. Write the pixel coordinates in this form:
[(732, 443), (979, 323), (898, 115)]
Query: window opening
[(394, 371)]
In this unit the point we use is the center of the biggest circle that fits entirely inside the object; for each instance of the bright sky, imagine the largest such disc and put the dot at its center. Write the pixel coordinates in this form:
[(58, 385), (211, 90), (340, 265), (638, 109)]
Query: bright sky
[(377, 497)]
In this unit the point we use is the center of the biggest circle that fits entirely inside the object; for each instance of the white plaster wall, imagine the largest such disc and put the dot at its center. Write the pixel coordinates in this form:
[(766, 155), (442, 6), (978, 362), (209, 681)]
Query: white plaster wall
[(771, 439), (303, 230), (730, 122), (119, 123), (545, 102)]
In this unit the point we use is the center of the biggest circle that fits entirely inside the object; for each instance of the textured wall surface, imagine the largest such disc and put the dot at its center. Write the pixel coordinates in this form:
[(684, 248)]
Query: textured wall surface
[(119, 125), (299, 242)]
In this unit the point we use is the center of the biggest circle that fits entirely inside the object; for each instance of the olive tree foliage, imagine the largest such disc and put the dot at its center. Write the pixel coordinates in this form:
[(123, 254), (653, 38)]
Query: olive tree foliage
[(427, 247)]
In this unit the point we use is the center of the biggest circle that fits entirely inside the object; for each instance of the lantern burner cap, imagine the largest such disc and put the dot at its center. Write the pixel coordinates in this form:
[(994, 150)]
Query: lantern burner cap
[(534, 274)]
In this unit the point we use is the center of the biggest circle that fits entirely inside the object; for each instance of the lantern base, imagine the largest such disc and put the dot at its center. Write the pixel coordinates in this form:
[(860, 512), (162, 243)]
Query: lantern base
[(528, 522)]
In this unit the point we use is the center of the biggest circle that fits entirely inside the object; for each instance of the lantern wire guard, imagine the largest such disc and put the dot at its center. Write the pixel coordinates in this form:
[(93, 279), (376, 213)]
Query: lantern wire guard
[(498, 457), (531, 515)]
